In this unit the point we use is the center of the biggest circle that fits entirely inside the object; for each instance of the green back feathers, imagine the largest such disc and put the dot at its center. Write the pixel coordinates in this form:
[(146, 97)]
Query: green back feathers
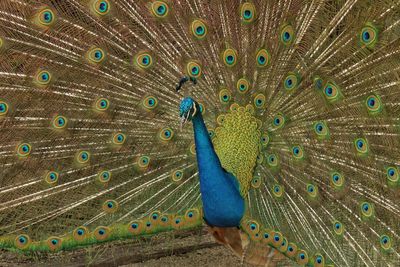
[(239, 131)]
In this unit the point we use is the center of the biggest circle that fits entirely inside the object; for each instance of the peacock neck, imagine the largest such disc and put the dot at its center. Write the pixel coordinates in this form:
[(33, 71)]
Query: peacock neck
[(223, 205), (204, 144)]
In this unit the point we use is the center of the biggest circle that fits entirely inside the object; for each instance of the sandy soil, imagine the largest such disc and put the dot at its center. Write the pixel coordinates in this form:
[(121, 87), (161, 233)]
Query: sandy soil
[(216, 256)]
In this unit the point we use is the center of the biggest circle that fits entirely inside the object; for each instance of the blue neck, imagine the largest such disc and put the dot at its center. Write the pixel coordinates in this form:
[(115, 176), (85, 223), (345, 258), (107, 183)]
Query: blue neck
[(223, 205)]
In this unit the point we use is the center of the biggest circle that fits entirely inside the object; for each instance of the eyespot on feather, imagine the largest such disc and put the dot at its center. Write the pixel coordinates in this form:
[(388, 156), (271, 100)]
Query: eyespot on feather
[(82, 157), (143, 60), (59, 122), (193, 69), (243, 85), (80, 233), (101, 7), (110, 206), (263, 58), (51, 177), (104, 176), (3, 108), (177, 175), (198, 29), (143, 162), (160, 9), (248, 12), (369, 35), (102, 104), (54, 243), (44, 18), (229, 57), (22, 241), (101, 233), (96, 55), (287, 34), (24, 150)]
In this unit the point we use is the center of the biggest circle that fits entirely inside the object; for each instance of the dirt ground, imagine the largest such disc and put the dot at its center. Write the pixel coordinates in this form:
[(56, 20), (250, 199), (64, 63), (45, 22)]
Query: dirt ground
[(216, 256), (194, 248)]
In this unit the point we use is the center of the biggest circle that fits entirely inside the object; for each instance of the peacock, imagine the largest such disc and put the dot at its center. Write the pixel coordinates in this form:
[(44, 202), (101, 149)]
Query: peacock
[(275, 124)]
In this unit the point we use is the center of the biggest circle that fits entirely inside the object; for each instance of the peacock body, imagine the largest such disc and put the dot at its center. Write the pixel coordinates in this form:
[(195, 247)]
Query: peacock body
[(293, 154)]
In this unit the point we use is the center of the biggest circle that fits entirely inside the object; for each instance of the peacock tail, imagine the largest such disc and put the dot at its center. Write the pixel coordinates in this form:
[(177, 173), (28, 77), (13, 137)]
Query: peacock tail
[(301, 99)]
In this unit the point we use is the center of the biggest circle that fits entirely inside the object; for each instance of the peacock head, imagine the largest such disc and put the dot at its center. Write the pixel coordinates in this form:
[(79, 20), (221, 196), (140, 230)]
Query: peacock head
[(187, 110)]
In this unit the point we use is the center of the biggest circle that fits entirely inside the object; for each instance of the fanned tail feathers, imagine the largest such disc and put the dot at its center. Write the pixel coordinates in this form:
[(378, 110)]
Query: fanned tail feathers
[(90, 143)]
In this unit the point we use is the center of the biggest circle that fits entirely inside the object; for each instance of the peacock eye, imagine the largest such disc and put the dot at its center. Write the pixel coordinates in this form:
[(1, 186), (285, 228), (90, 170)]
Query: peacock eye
[(198, 29), (332, 92), (276, 238), (51, 177), (367, 210), (259, 101), (96, 55), (45, 18), (143, 162), (177, 175), (278, 121), (43, 77), (143, 60), (230, 57), (59, 122), (386, 242), (150, 103), (193, 69), (369, 35), (262, 58), (83, 157), (291, 81), (119, 139), (243, 85), (3, 108), (312, 191), (248, 12), (287, 34), (166, 134), (102, 104), (24, 150), (361, 146), (22, 241), (374, 104), (110, 206), (160, 9), (101, 7)]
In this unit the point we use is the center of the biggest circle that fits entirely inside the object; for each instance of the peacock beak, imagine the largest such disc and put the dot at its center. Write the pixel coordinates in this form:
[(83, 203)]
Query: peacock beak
[(185, 119)]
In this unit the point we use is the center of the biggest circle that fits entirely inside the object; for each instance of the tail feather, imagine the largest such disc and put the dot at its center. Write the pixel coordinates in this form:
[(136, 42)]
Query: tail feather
[(90, 137)]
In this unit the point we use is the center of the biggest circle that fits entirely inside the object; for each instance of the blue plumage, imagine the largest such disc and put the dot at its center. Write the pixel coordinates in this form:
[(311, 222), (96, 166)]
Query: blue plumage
[(223, 205)]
